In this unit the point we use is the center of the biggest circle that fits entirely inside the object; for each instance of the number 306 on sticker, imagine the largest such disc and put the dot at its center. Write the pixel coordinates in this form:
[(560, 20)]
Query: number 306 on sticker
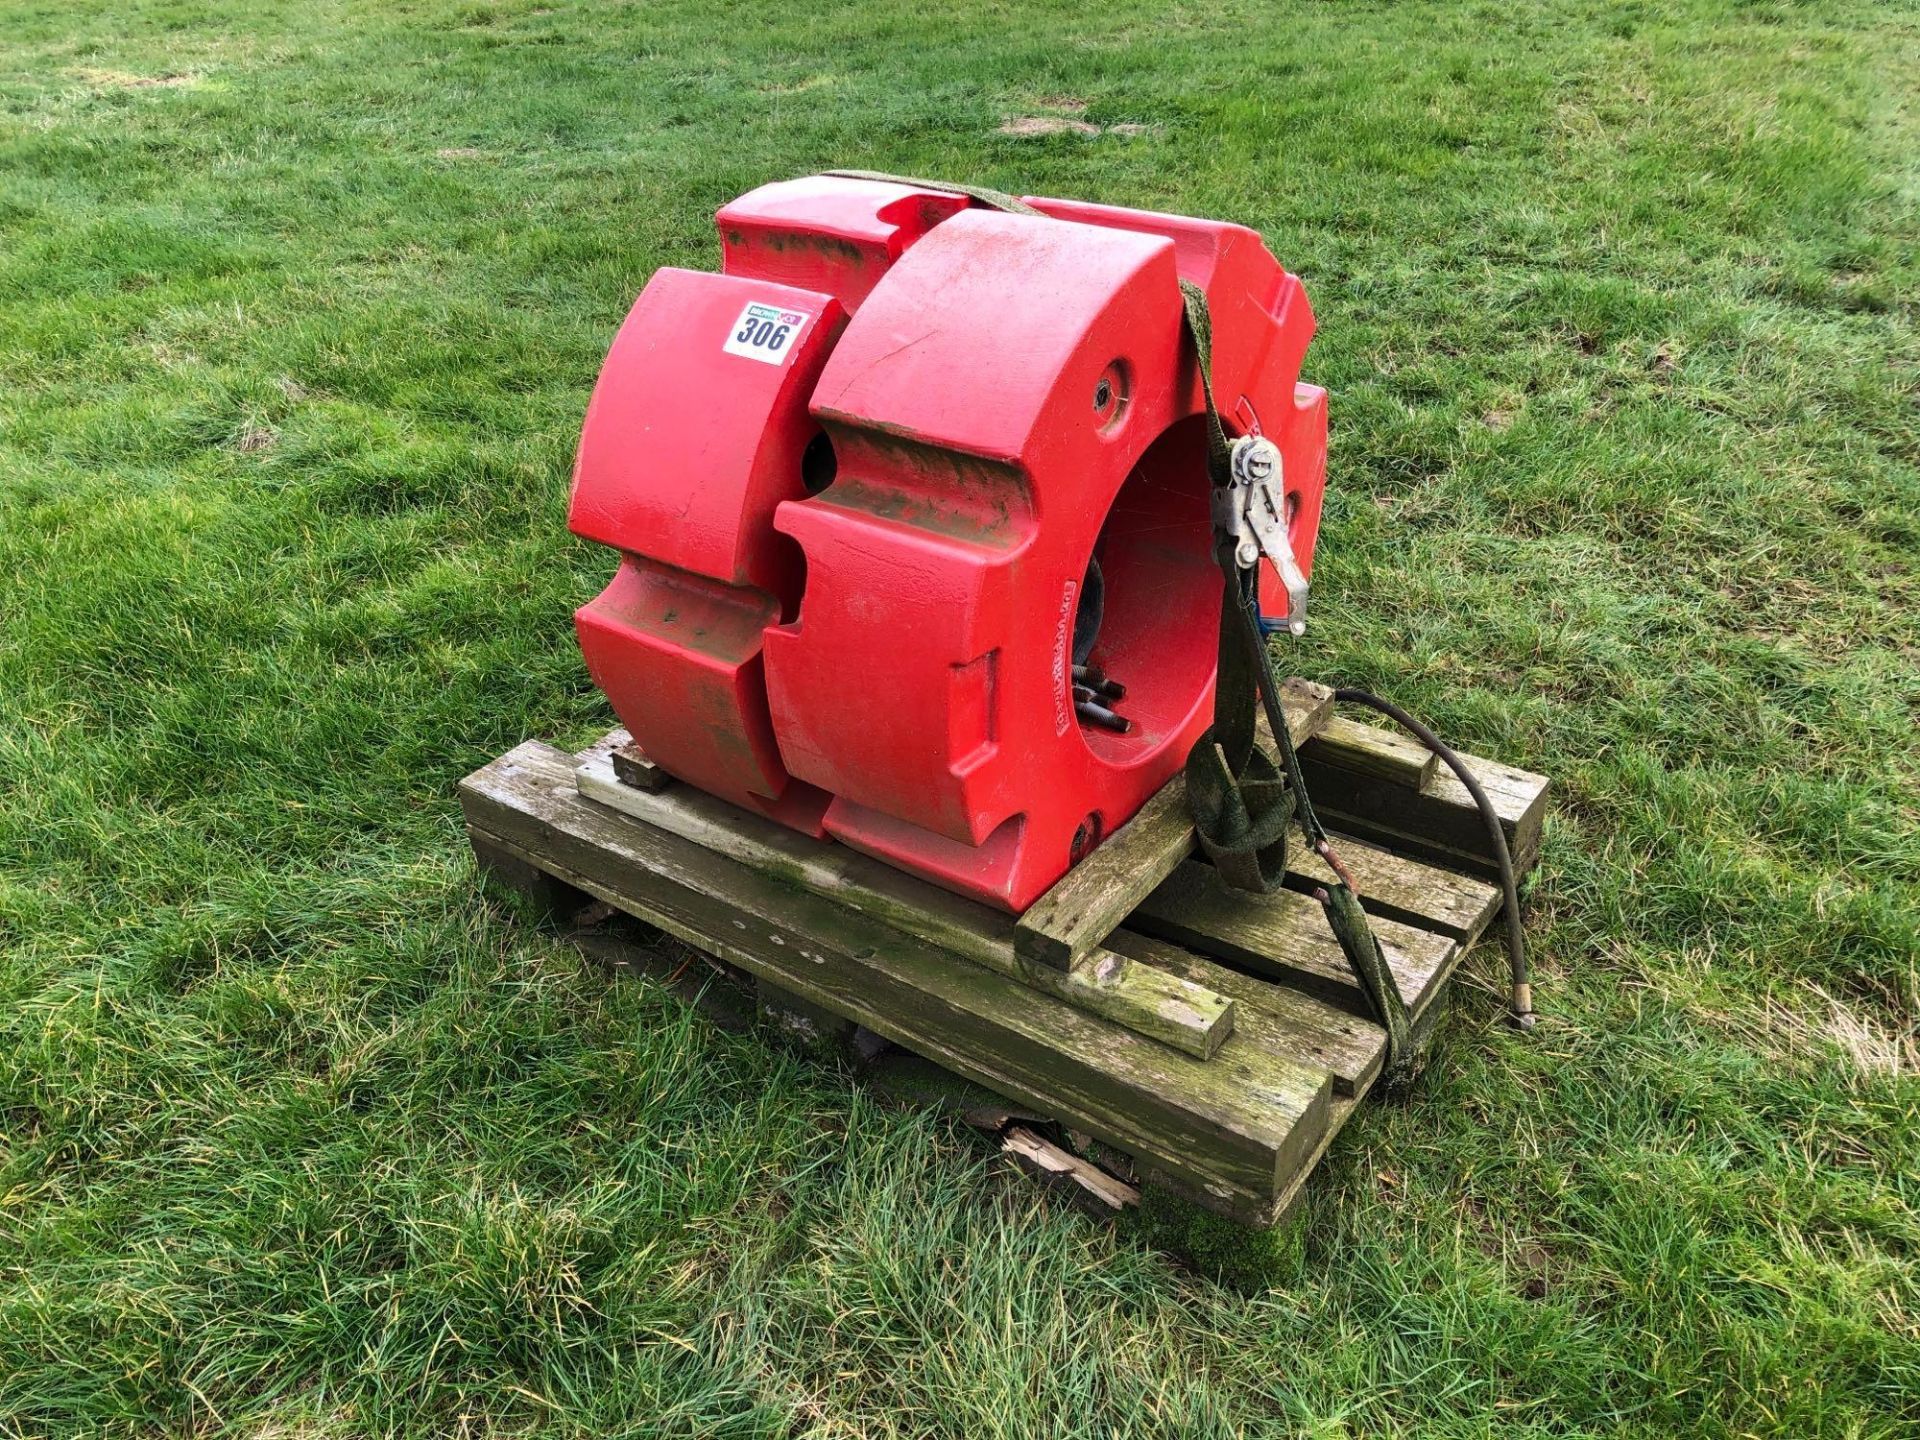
[(765, 332)]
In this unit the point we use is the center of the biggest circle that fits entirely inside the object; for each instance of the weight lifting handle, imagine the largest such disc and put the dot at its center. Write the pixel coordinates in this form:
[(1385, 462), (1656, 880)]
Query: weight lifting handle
[(1522, 1000)]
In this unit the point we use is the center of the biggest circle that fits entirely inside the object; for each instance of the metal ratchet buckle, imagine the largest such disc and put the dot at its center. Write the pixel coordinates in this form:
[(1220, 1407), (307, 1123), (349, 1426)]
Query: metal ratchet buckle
[(1251, 511)]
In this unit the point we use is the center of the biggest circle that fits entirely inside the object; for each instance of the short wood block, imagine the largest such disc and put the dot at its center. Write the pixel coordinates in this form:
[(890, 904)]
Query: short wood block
[(551, 897), (632, 767), (1278, 1018), (1377, 751)]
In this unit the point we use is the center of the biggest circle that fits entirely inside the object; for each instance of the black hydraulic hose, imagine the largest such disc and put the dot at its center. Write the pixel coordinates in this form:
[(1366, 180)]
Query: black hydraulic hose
[(1516, 940)]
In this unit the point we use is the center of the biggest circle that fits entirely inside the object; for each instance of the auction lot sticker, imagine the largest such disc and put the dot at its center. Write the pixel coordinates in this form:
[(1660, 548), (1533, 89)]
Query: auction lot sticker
[(765, 332)]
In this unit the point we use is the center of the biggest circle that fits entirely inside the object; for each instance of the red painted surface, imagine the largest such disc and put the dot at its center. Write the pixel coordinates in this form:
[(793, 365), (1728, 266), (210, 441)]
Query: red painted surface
[(887, 659)]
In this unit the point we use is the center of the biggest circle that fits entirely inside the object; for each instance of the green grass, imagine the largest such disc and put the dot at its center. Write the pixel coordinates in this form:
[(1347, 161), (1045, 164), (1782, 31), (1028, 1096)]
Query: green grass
[(300, 1136)]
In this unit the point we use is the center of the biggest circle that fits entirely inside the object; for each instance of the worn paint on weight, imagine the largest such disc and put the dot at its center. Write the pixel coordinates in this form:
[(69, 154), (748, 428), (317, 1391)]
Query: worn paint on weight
[(1062, 652)]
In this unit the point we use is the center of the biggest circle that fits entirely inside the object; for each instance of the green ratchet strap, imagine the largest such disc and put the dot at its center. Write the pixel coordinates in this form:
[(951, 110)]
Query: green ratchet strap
[(1193, 301), (992, 199), (1241, 803), (1345, 915)]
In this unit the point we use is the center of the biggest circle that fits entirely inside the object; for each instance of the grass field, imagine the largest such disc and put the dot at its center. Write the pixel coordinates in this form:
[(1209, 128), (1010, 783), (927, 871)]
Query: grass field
[(300, 1137)]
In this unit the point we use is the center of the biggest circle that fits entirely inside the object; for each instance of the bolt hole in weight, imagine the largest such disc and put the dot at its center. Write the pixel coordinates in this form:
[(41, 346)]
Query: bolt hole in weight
[(1084, 839), (818, 464), (1110, 395)]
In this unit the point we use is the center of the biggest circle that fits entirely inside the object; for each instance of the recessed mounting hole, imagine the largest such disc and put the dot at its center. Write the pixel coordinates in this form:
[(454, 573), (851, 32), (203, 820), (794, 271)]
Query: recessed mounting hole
[(818, 464), (1110, 395), (1084, 839)]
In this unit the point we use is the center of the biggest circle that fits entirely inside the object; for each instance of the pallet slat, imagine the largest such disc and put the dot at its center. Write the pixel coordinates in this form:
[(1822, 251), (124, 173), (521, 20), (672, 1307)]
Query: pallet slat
[(1436, 821), (1285, 935), (1150, 1002), (1395, 887), (1234, 1129)]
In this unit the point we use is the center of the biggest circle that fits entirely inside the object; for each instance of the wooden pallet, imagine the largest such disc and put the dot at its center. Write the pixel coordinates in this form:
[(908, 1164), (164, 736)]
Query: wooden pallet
[(1215, 1038)]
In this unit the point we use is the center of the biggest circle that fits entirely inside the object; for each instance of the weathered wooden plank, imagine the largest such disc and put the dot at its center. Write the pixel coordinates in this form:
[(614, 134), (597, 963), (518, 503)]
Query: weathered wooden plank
[(1085, 904), (1437, 821), (1162, 1006), (1235, 1126), (1394, 887), (1290, 1190), (1374, 750), (1094, 896), (1276, 1017), (1285, 935), (982, 934), (1168, 1009)]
